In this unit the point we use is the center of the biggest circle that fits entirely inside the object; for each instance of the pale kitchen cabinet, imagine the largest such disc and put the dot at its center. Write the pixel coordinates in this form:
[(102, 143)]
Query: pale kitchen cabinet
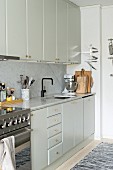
[(68, 127), (39, 143), (2, 27), (78, 120), (89, 116), (72, 124), (49, 34), (61, 55), (35, 29), (74, 34), (16, 28)]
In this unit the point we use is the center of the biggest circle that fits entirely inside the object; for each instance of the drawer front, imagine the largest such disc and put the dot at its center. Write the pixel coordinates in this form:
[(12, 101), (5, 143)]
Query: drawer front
[(54, 153), (54, 140), (54, 110), (54, 120), (52, 131)]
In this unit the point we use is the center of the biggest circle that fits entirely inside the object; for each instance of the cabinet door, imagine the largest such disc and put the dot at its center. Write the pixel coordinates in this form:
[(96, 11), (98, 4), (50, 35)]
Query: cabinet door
[(39, 139), (16, 28), (78, 121), (68, 127), (49, 30), (61, 31), (89, 116), (35, 29), (74, 32), (2, 27)]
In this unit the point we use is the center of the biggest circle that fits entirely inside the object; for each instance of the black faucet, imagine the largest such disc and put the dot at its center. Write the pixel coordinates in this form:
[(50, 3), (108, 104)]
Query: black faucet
[(43, 90)]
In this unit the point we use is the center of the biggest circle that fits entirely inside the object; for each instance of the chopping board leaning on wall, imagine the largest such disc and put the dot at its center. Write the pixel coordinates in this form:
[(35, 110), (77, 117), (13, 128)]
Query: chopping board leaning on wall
[(84, 80)]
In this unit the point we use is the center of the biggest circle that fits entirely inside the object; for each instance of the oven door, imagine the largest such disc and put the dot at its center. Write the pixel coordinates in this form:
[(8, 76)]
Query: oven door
[(22, 147)]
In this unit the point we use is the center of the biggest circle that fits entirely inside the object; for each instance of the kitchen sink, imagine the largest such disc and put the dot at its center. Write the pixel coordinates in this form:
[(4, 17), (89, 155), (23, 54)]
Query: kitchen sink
[(64, 96), (60, 96)]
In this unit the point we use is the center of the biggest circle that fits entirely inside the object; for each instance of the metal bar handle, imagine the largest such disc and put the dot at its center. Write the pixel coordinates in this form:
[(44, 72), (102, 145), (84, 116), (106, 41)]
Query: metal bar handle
[(23, 133)]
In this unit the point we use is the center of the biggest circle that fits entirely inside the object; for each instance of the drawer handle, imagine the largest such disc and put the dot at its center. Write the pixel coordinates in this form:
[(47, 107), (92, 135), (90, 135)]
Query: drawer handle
[(56, 120), (57, 140), (56, 130), (57, 153)]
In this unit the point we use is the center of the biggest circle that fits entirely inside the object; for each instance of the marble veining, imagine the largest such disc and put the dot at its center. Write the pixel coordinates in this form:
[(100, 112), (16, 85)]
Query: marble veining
[(10, 72)]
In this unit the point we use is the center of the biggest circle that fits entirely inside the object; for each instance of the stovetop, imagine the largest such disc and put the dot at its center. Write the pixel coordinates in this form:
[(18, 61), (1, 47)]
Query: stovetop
[(13, 118), (7, 110)]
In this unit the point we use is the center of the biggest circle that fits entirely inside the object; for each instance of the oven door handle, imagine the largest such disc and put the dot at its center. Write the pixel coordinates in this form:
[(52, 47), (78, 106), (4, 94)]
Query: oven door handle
[(27, 130)]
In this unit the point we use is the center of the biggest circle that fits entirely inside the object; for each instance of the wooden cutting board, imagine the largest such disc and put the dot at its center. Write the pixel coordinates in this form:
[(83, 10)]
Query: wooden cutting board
[(90, 79), (82, 84)]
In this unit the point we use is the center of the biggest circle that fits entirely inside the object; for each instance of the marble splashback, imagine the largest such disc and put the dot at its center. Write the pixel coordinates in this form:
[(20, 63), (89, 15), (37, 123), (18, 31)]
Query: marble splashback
[(10, 72)]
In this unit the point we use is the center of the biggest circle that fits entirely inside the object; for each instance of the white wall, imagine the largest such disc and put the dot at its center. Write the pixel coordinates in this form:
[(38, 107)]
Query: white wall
[(107, 67), (90, 34)]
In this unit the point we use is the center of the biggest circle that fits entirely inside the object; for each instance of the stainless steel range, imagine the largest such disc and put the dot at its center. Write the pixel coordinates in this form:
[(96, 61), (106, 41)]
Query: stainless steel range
[(15, 121)]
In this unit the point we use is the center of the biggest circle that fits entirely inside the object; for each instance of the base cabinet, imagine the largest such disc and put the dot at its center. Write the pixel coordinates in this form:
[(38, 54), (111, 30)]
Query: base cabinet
[(60, 128), (68, 126), (78, 121), (39, 139), (89, 116), (72, 124)]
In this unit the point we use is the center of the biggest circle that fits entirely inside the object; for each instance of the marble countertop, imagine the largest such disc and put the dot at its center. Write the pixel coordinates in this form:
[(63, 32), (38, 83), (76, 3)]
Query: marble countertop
[(39, 102)]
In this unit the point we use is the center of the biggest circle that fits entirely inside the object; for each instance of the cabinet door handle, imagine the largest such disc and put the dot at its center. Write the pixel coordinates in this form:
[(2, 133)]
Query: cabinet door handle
[(57, 153), (56, 120), (56, 140), (56, 130)]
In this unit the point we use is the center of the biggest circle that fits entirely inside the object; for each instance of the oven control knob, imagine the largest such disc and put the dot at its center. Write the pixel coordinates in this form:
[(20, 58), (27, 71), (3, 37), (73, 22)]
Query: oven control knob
[(10, 123), (4, 125), (23, 119), (19, 120), (15, 121), (28, 117)]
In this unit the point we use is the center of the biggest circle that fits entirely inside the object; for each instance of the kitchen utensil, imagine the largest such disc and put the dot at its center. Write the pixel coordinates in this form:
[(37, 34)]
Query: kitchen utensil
[(21, 80), (91, 65), (82, 81), (95, 57), (110, 46), (90, 79), (25, 94), (70, 83), (32, 82)]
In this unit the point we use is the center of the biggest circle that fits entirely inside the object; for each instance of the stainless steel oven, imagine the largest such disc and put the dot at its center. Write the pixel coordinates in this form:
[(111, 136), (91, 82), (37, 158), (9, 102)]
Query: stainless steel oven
[(16, 122)]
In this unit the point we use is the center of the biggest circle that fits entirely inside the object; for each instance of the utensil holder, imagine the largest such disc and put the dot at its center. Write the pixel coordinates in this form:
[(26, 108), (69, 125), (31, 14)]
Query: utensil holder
[(25, 94)]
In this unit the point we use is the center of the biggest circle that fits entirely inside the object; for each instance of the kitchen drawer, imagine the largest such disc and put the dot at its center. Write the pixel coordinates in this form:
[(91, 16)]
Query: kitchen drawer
[(54, 140), (54, 130), (54, 153), (53, 120), (54, 110)]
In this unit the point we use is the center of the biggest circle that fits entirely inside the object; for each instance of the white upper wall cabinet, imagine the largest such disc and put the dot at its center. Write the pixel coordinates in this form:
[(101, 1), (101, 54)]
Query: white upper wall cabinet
[(61, 31), (49, 30), (16, 27), (35, 29), (74, 34), (2, 27)]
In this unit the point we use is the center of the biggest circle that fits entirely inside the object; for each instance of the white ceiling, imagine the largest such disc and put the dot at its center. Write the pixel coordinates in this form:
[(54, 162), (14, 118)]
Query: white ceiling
[(92, 2)]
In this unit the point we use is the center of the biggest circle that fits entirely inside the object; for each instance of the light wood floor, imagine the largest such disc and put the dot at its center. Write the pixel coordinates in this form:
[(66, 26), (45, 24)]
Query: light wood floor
[(81, 154)]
